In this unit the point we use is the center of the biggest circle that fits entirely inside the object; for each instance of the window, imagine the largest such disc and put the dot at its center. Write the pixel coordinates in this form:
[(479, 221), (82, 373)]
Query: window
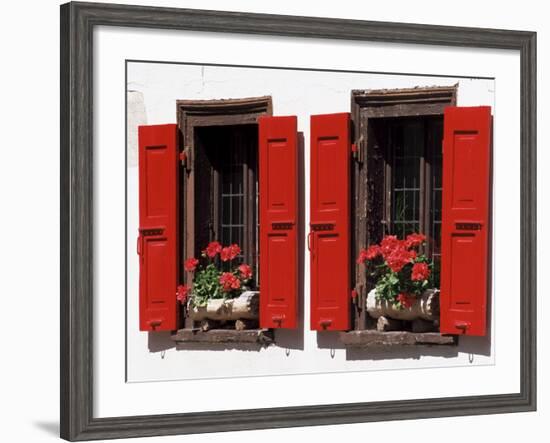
[(227, 170), (412, 178), (377, 170), (240, 170), (220, 198), (397, 175)]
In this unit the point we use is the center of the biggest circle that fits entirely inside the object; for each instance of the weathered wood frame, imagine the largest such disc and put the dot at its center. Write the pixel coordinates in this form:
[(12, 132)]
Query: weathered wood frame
[(78, 21), (367, 105)]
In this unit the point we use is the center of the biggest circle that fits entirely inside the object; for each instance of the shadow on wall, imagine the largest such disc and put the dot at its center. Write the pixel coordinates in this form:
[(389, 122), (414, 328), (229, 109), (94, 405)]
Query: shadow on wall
[(294, 338), (159, 341), (401, 352), (470, 345)]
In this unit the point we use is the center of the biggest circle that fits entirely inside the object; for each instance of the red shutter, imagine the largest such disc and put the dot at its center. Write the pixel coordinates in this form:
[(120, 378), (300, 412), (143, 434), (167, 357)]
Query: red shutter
[(466, 221), (278, 222), (157, 241), (329, 237)]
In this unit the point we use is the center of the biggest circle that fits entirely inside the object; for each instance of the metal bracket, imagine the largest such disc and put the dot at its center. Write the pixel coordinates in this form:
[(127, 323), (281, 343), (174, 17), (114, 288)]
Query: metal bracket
[(322, 226), (282, 225), (185, 158), (157, 230)]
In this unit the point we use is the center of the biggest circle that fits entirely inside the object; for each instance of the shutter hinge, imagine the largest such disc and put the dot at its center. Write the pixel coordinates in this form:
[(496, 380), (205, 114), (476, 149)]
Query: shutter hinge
[(185, 158), (358, 294), (357, 151)]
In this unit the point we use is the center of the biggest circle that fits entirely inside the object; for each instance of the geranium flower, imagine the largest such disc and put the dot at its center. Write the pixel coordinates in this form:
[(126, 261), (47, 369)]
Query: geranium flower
[(212, 249), (389, 243), (224, 255), (230, 252), (371, 253), (234, 251), (229, 282), (182, 292), (399, 257), (414, 240), (362, 256), (190, 264), (406, 300), (245, 271), (420, 272)]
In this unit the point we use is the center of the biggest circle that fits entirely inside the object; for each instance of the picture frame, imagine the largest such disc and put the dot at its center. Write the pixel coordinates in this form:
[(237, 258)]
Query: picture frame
[(76, 211)]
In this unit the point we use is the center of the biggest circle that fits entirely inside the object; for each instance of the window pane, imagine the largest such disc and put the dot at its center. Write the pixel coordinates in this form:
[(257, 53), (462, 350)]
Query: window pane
[(436, 165), (407, 144), (232, 170)]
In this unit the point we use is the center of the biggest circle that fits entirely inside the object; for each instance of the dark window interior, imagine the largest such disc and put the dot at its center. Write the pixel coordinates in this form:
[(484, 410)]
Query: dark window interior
[(226, 196), (405, 179)]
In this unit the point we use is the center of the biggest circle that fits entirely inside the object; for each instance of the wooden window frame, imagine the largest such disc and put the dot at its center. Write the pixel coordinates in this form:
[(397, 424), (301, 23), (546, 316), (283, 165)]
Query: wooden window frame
[(373, 104), (198, 113)]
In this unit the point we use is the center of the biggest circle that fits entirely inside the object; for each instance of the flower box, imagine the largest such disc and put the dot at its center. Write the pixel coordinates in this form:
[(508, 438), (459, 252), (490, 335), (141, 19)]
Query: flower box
[(243, 307), (425, 307)]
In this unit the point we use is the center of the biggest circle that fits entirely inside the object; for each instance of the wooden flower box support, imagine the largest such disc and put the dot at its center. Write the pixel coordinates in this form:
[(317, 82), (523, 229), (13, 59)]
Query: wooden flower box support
[(393, 326), (263, 337), (230, 321), (373, 338)]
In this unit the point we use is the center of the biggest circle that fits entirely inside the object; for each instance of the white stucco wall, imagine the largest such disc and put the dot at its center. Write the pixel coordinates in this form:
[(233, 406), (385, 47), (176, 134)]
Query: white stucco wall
[(152, 91)]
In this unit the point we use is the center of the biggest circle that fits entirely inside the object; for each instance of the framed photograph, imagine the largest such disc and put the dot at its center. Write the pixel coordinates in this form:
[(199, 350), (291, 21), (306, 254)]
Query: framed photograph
[(272, 221)]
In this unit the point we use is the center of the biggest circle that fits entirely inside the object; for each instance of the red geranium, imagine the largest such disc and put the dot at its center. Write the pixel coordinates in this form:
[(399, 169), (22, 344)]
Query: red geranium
[(224, 255), (212, 249), (181, 293), (230, 252), (389, 244), (234, 251), (406, 300), (414, 240), (403, 266), (190, 264), (398, 258), (245, 271), (420, 272), (229, 282), (371, 253)]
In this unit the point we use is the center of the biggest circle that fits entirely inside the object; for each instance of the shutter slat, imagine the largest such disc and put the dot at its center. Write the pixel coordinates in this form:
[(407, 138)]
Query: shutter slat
[(466, 221), (329, 238), (157, 241), (278, 222)]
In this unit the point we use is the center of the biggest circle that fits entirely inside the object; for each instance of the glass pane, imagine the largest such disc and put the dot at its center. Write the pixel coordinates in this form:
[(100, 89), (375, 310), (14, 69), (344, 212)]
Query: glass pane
[(226, 211), (232, 197), (407, 143), (436, 165)]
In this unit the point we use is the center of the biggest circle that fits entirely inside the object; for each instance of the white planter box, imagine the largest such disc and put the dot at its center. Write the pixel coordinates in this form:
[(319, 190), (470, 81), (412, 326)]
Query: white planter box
[(425, 307), (244, 307)]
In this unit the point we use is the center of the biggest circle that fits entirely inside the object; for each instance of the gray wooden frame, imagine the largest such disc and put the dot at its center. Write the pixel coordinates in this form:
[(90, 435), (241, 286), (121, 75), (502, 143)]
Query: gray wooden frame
[(77, 23)]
